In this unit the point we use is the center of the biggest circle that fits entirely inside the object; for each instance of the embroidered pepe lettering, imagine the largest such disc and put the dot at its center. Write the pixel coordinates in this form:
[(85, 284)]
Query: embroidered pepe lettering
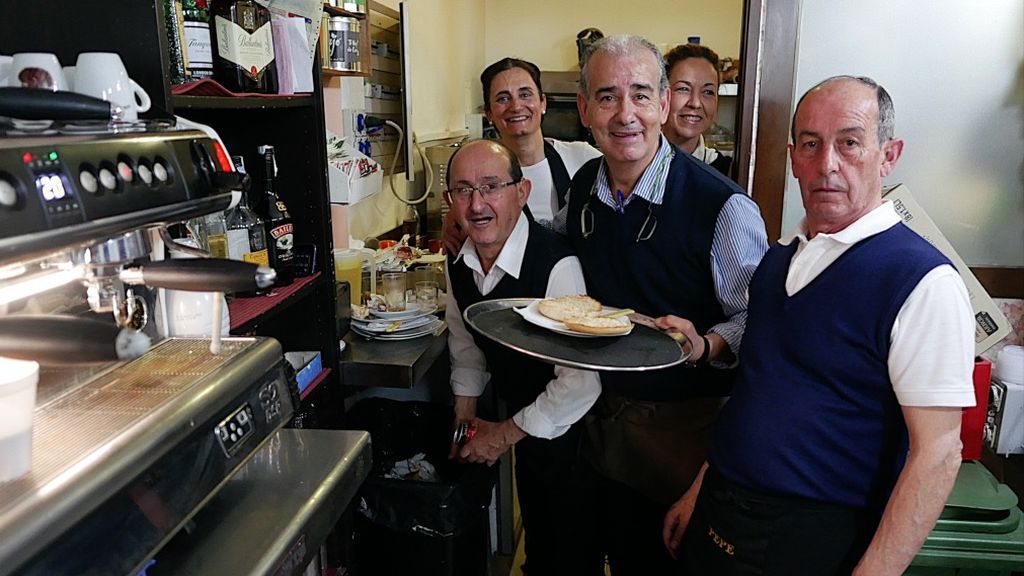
[(720, 542), (902, 210)]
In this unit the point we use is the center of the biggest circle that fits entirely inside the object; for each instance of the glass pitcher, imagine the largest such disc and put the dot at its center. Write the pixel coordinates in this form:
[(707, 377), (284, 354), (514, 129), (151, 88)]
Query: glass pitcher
[(348, 267)]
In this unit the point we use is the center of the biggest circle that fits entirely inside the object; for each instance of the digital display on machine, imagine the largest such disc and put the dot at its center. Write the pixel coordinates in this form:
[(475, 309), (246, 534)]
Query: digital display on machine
[(51, 187)]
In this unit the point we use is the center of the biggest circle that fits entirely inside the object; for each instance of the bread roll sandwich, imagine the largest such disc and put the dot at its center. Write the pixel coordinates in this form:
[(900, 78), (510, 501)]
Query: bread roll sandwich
[(599, 325), (566, 307)]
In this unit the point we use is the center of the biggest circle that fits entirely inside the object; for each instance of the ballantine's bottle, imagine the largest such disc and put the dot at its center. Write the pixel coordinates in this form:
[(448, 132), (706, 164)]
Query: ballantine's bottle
[(278, 223), (243, 46)]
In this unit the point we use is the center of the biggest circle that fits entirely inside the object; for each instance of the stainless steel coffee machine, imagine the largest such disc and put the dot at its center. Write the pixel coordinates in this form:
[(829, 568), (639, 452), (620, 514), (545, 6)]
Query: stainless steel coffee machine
[(132, 432)]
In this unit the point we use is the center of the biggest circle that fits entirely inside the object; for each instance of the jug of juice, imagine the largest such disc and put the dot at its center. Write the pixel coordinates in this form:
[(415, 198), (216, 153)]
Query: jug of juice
[(348, 267)]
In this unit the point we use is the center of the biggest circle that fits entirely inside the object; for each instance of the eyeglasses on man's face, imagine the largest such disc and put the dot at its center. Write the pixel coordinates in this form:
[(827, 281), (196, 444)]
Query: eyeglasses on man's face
[(488, 191)]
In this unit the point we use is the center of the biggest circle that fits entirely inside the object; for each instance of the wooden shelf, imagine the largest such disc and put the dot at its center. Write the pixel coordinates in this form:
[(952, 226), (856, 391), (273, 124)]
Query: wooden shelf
[(248, 313), (335, 11), (184, 102), (333, 72)]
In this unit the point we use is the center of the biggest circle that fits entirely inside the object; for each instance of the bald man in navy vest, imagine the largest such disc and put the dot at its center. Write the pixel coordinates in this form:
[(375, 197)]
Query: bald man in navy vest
[(841, 442), (507, 255)]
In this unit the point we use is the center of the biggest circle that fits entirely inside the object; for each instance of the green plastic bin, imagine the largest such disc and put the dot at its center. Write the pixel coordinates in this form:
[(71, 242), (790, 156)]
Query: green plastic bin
[(980, 531)]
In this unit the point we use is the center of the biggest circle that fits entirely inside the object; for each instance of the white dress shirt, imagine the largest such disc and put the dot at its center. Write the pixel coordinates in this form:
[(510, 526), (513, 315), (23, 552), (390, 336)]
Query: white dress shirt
[(572, 392), (932, 351), (705, 154)]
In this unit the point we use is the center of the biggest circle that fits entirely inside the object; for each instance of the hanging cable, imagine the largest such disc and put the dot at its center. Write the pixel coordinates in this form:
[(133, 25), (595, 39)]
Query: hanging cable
[(373, 122)]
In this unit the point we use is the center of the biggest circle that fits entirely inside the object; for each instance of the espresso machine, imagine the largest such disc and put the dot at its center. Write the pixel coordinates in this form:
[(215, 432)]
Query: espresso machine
[(133, 431)]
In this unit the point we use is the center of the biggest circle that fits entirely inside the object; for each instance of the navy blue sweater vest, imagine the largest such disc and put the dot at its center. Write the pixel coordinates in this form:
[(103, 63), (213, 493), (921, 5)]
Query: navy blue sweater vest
[(814, 414), (518, 379), (670, 273)]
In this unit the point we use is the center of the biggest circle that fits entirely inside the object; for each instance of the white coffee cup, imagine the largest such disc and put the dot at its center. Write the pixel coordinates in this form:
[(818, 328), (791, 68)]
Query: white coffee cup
[(18, 379), (37, 70), (102, 75), (69, 75), (5, 68), (190, 314)]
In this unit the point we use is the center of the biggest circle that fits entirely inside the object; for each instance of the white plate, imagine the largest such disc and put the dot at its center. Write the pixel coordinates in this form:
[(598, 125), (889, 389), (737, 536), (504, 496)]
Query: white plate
[(378, 326), (411, 311), (408, 335), (532, 315)]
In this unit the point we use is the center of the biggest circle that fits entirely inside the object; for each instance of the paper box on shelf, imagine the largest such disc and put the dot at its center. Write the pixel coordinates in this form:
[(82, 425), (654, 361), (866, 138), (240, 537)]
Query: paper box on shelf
[(351, 175), (990, 323)]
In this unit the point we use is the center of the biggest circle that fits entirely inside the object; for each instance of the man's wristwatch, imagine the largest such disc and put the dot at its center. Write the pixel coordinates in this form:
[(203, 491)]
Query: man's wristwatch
[(704, 355)]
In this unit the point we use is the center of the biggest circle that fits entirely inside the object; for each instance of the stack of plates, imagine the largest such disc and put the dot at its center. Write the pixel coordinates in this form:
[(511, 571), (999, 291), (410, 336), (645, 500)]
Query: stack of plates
[(412, 322)]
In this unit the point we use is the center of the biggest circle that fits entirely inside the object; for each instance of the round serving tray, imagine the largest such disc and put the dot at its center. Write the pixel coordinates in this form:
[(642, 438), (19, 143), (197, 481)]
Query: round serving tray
[(642, 349)]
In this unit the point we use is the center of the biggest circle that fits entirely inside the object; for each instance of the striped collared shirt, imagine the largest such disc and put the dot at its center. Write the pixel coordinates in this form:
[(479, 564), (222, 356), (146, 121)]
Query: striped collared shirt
[(737, 246), (650, 186)]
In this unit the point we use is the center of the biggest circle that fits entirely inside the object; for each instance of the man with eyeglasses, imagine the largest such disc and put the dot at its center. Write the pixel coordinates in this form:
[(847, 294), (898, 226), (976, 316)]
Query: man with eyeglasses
[(507, 255), (660, 232)]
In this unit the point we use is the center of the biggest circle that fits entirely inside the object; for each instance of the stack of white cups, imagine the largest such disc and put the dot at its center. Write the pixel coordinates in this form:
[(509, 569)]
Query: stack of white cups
[(98, 74)]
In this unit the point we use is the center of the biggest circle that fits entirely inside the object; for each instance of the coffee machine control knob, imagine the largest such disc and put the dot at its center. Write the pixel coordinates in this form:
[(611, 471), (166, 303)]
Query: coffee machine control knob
[(8, 194), (160, 172), (88, 181), (108, 179), (145, 174)]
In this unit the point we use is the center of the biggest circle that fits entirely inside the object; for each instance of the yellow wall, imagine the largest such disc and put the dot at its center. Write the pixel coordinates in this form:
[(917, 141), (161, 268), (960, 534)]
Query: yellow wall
[(452, 41), (544, 31), (446, 59)]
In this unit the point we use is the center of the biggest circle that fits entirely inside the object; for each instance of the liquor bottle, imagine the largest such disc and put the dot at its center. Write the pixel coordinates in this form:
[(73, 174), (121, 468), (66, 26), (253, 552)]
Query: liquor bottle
[(216, 235), (410, 221), (278, 223), (175, 32), (247, 241), (243, 46), (198, 51)]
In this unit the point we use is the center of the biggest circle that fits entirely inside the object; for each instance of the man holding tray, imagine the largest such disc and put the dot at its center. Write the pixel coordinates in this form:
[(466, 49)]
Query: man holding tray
[(662, 233), (505, 256)]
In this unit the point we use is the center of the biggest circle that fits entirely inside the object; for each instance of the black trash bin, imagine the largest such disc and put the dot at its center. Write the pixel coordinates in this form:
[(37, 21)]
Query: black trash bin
[(410, 526)]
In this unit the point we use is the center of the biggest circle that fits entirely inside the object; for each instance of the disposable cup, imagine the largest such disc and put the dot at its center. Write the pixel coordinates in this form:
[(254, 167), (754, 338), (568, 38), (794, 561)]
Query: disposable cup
[(18, 379)]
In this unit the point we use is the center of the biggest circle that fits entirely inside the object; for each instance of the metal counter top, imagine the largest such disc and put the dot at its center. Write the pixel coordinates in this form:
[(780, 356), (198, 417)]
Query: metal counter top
[(272, 517), (389, 363)]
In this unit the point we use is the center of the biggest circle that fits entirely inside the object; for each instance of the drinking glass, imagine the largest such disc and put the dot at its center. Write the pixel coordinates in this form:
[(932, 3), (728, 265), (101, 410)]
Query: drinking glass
[(394, 291), (426, 294)]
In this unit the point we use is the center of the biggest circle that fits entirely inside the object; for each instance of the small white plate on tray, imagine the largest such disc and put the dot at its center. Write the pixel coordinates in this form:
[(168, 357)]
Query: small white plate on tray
[(532, 315)]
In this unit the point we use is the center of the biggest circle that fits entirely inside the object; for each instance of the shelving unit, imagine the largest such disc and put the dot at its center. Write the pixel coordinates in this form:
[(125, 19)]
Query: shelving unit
[(335, 11), (184, 102), (364, 43), (300, 316), (385, 80), (248, 313)]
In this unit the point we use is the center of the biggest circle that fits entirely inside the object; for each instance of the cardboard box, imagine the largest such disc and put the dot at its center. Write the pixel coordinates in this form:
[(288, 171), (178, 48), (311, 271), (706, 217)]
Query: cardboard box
[(990, 323), (307, 365)]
